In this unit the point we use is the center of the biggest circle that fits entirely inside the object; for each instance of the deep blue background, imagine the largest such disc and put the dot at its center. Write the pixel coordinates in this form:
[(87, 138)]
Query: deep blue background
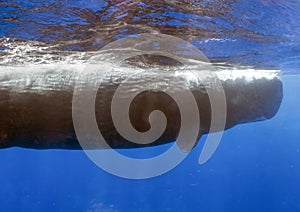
[(256, 167)]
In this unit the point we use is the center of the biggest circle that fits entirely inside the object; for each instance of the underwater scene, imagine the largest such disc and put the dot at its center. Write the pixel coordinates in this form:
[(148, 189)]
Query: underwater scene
[(163, 105)]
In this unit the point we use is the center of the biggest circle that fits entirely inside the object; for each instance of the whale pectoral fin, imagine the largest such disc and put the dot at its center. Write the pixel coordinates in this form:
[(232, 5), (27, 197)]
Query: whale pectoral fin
[(187, 146)]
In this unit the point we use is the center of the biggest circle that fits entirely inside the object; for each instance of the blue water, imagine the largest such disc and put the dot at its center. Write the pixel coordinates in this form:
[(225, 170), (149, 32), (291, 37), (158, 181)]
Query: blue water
[(255, 168)]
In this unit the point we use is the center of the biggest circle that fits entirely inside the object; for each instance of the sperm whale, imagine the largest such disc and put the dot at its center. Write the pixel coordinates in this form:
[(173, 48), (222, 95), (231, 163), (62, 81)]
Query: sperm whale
[(36, 102)]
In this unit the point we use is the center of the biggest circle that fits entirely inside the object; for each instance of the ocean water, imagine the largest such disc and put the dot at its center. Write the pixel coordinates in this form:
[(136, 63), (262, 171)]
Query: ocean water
[(256, 166)]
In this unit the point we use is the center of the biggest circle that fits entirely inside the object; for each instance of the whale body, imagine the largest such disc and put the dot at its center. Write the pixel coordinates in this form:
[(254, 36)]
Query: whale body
[(36, 102)]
